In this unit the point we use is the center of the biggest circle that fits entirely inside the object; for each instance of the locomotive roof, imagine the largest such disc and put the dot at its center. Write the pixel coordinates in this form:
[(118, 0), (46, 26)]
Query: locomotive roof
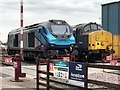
[(82, 25), (34, 26), (16, 31)]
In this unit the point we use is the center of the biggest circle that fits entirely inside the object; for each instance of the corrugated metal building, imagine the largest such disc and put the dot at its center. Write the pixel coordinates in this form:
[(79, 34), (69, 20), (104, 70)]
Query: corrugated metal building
[(111, 17), (111, 22)]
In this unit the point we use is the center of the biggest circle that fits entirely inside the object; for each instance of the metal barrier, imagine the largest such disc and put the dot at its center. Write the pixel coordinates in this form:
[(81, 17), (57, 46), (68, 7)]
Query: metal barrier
[(4, 58), (15, 61), (48, 80), (7, 59)]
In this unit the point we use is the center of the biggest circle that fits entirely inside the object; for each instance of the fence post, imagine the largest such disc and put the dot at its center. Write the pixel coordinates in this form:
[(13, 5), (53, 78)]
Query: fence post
[(37, 74), (16, 66), (48, 74), (86, 76)]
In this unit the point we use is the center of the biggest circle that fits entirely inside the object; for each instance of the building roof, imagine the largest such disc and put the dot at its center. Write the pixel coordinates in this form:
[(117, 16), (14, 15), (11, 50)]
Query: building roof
[(110, 3)]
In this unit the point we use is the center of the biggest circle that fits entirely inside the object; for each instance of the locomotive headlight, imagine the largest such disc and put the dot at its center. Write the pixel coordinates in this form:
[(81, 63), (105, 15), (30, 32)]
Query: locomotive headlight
[(71, 47), (52, 45), (102, 43), (66, 50), (76, 46), (42, 45), (57, 51), (110, 45)]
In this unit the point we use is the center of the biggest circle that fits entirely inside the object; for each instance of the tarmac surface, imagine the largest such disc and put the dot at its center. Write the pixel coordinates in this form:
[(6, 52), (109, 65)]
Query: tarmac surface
[(8, 81)]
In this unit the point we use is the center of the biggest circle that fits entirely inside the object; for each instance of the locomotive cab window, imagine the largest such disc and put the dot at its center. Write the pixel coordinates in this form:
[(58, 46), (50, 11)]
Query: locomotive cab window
[(100, 28), (91, 27), (44, 30), (87, 28), (60, 30), (40, 28), (31, 39), (16, 40)]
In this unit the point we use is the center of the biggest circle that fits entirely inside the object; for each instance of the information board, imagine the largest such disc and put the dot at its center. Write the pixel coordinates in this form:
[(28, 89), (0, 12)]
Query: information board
[(76, 73), (61, 70)]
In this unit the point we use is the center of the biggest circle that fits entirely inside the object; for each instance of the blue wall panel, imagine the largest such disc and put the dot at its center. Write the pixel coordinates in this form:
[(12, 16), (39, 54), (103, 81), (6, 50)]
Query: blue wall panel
[(119, 18), (105, 17), (111, 17)]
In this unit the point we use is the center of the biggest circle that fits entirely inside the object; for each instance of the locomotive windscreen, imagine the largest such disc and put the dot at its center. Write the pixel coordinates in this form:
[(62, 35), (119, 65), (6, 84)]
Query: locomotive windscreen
[(92, 26), (60, 29)]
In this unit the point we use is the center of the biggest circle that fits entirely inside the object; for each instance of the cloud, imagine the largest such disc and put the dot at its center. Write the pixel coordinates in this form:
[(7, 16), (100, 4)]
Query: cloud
[(35, 11), (59, 6)]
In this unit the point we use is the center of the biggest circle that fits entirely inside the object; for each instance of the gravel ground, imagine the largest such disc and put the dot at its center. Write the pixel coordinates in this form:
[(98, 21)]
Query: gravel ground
[(105, 77)]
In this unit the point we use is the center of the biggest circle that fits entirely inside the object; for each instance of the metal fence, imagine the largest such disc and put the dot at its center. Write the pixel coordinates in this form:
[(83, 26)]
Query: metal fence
[(48, 80)]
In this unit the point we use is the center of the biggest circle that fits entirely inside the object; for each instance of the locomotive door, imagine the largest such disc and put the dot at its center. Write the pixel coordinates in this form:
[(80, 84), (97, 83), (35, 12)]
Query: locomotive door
[(98, 45)]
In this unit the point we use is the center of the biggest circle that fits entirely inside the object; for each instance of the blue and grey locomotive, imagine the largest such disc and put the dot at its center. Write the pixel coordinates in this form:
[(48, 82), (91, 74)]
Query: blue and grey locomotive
[(43, 39)]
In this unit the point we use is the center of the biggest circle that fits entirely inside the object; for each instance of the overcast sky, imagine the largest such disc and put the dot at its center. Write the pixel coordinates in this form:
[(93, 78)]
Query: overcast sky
[(35, 11)]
